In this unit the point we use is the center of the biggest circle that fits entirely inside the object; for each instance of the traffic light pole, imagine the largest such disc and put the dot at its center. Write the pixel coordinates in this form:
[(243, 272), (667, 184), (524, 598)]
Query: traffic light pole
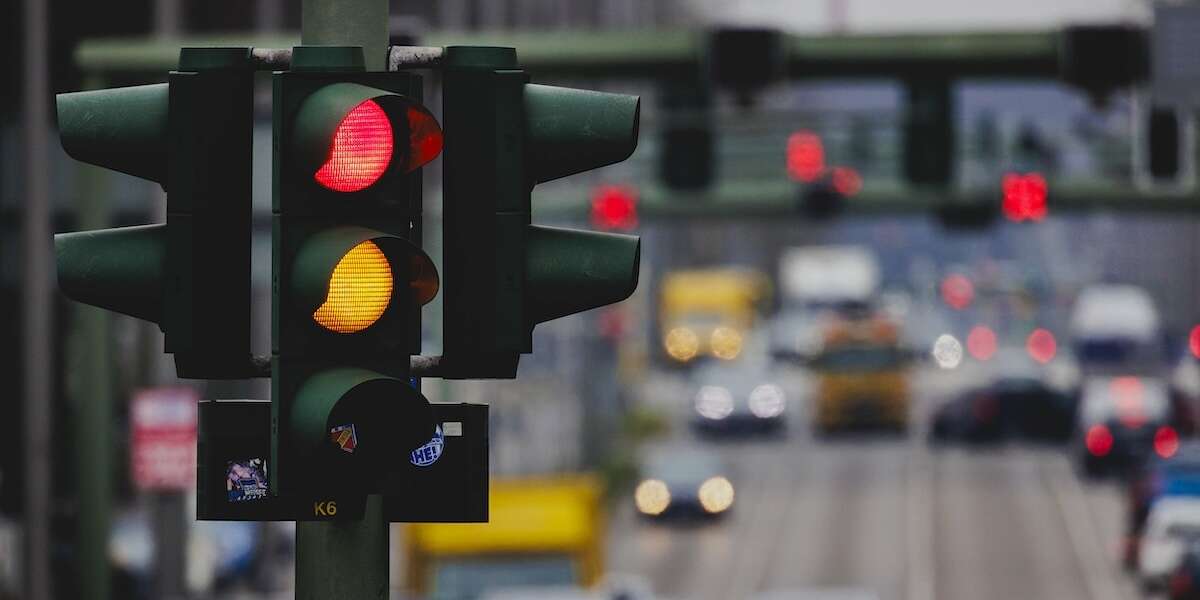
[(345, 559)]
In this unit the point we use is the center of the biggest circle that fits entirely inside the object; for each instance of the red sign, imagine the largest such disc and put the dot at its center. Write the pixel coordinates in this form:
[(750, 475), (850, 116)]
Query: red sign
[(163, 438)]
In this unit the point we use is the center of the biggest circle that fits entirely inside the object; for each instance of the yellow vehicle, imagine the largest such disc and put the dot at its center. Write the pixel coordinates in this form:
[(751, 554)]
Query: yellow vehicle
[(862, 376), (541, 532), (707, 312)]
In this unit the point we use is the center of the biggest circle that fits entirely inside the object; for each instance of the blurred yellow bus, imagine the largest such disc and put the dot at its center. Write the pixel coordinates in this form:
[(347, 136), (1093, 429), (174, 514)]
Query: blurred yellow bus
[(862, 376), (708, 312), (545, 531)]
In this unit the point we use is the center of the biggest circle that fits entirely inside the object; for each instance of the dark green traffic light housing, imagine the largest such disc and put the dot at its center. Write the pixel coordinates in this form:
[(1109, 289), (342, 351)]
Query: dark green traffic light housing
[(191, 275), (502, 274)]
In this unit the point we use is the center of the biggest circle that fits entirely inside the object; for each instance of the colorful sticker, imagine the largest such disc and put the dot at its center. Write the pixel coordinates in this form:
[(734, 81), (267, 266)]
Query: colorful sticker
[(432, 450), (343, 437), (246, 480)]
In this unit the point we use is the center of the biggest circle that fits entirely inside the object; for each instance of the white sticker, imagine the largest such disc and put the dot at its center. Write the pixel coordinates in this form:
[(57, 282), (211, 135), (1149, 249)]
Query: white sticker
[(452, 428)]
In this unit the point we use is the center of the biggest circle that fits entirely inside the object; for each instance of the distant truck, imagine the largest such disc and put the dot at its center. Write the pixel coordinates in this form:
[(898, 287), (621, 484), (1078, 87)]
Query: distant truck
[(707, 312), (1116, 330), (862, 376), (542, 532), (828, 277)]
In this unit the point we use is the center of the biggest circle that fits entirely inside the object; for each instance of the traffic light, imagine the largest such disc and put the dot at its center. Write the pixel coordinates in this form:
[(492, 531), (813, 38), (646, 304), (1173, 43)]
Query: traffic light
[(191, 275), (348, 281), (504, 275)]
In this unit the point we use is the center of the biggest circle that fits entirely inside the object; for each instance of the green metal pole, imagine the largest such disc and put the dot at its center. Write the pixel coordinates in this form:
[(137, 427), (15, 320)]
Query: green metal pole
[(345, 559), (348, 23), (90, 395)]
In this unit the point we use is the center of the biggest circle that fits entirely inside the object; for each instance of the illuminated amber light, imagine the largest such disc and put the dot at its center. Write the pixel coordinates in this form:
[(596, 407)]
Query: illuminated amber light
[(726, 343), (360, 289), (716, 495), (652, 497), (682, 344)]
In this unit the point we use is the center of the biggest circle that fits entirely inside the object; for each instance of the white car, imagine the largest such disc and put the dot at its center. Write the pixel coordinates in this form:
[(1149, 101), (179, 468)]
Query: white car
[(1172, 524)]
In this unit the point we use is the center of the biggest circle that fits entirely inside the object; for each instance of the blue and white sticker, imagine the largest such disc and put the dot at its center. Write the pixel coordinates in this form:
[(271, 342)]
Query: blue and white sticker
[(432, 450)]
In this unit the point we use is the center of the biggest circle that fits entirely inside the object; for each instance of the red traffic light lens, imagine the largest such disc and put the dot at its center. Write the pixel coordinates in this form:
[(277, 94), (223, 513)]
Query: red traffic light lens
[(361, 150)]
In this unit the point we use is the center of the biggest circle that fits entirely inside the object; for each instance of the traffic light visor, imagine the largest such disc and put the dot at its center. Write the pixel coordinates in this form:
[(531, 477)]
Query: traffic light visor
[(351, 136)]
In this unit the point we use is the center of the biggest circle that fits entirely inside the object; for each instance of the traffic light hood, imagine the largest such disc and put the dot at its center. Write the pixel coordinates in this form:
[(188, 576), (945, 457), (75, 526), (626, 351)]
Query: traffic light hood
[(348, 122), (570, 271), (117, 269), (124, 129), (570, 131), (353, 423)]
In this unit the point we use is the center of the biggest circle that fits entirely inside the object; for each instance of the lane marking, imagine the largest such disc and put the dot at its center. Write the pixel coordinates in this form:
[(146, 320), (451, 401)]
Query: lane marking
[(918, 536), (1098, 577)]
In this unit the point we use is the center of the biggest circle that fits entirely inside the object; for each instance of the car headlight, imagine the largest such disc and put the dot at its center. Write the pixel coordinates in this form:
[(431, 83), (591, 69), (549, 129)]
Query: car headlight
[(652, 497), (716, 494), (682, 343), (714, 402), (767, 401), (725, 343)]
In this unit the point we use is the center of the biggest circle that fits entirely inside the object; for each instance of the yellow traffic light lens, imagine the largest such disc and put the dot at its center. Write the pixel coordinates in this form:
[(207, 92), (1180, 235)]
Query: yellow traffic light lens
[(360, 289)]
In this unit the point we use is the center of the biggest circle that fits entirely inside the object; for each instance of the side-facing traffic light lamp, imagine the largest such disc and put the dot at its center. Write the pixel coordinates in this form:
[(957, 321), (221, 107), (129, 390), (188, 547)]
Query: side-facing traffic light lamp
[(190, 275), (348, 282), (503, 275)]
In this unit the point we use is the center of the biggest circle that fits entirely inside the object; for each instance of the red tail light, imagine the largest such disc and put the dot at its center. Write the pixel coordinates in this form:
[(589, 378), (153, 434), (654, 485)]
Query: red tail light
[(1099, 440), (1041, 346), (1166, 441)]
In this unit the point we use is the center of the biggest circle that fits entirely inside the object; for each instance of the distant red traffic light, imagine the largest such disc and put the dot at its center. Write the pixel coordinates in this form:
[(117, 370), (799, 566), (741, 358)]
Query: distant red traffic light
[(614, 207), (805, 156), (1024, 197)]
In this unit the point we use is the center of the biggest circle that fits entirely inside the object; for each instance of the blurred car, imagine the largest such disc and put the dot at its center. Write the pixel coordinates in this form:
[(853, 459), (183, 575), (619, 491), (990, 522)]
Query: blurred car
[(740, 397), (706, 312), (1117, 329), (1122, 422), (1184, 581), (1172, 526), (862, 376), (1017, 402), (1175, 475), (683, 482)]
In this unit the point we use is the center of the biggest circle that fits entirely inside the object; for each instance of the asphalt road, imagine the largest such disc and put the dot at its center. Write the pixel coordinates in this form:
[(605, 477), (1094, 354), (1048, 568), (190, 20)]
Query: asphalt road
[(891, 516)]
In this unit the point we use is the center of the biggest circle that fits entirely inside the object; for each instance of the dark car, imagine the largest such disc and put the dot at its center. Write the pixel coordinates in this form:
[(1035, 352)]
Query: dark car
[(683, 482), (1184, 581), (1175, 475), (1122, 422), (1015, 404), (737, 398)]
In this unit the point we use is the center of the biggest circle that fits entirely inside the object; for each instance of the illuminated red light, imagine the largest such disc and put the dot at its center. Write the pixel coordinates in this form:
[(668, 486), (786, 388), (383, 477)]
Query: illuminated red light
[(981, 342), (846, 181), (424, 138), (1166, 441), (1099, 440), (614, 207), (957, 291), (1194, 341), (1041, 346), (361, 150), (1024, 197), (805, 156)]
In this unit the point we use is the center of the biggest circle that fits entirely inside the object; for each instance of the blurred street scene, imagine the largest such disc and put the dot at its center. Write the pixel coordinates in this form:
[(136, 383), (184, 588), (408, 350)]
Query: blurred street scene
[(916, 316)]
